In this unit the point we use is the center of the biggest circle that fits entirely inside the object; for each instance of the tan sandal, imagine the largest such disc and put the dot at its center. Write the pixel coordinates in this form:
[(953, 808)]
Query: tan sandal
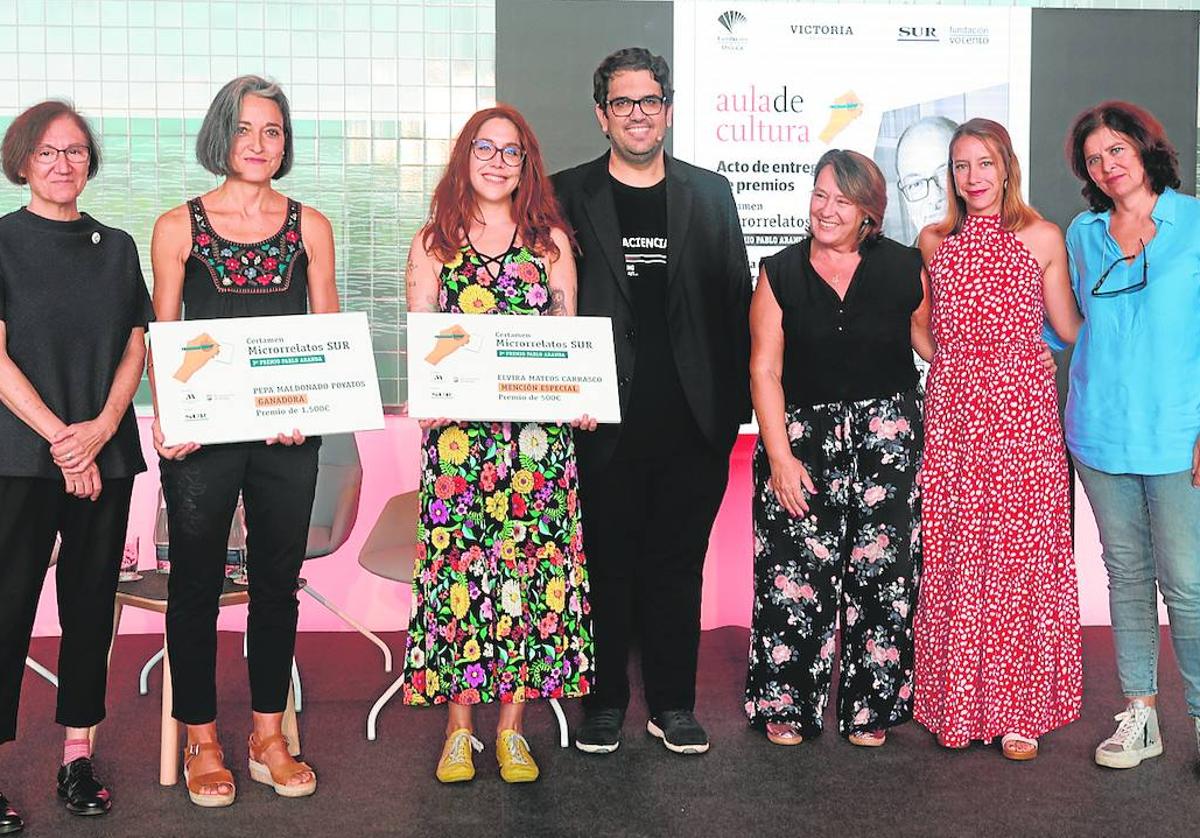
[(212, 779), (279, 777), (1010, 746), (784, 733), (868, 738)]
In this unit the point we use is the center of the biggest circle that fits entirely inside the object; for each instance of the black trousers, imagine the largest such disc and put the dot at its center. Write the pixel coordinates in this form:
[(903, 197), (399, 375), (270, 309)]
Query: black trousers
[(646, 526), (277, 484), (32, 510)]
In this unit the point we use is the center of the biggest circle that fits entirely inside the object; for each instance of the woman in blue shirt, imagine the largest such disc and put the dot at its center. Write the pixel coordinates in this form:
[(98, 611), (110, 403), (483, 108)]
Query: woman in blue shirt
[(1133, 412)]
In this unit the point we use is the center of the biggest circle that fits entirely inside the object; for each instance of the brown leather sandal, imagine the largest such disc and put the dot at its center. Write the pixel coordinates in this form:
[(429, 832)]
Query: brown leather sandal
[(868, 738), (212, 779), (784, 733), (278, 778)]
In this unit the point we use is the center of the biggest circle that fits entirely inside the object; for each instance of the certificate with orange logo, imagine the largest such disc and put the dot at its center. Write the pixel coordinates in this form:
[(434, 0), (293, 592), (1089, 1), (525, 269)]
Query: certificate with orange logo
[(483, 367), (251, 378)]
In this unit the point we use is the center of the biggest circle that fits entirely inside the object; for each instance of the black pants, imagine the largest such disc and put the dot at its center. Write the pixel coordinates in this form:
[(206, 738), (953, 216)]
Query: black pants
[(277, 484), (855, 557), (32, 510), (646, 526)]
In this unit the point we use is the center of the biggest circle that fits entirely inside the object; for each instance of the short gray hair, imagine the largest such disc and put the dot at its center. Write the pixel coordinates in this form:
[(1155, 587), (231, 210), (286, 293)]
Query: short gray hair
[(215, 140)]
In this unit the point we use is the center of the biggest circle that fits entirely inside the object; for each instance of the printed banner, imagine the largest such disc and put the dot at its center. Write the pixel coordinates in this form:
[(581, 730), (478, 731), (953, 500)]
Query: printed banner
[(764, 89)]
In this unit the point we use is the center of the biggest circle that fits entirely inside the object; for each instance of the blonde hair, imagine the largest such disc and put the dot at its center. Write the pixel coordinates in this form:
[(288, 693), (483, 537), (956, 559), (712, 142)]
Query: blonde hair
[(1015, 214)]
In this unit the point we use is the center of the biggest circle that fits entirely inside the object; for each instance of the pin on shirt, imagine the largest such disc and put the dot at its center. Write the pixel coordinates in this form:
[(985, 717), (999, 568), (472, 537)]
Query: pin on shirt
[(96, 237)]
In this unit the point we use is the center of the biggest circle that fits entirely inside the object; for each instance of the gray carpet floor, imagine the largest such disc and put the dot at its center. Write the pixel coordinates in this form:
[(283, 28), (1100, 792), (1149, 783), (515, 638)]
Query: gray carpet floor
[(743, 786)]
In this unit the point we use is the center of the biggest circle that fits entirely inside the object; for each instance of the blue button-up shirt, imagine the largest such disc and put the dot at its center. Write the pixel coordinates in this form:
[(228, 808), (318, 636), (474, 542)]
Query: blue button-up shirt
[(1134, 402)]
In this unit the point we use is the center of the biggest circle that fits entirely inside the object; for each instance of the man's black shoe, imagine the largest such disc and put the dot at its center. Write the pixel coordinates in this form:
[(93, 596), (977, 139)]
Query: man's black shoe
[(81, 789), (10, 821), (600, 732), (679, 731)]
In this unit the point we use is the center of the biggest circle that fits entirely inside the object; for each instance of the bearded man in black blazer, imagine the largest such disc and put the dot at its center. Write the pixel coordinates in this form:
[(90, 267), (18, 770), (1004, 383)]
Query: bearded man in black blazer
[(662, 254)]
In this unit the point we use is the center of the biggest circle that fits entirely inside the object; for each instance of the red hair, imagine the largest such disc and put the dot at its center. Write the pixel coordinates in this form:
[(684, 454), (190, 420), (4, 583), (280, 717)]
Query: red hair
[(534, 207)]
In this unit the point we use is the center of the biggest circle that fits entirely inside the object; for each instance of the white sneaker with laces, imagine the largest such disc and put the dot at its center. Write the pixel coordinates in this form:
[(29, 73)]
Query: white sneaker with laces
[(1137, 738)]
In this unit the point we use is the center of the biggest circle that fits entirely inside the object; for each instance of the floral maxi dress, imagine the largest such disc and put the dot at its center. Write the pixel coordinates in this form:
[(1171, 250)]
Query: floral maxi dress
[(997, 627), (500, 609)]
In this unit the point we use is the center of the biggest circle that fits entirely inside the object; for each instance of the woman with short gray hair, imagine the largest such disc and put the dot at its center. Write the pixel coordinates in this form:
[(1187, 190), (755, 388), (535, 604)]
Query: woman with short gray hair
[(241, 250)]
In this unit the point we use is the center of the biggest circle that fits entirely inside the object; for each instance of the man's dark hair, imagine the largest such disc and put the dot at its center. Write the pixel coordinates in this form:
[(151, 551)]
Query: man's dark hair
[(625, 60)]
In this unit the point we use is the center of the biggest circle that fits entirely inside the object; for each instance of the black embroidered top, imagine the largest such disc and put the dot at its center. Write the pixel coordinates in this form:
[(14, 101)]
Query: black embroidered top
[(230, 279)]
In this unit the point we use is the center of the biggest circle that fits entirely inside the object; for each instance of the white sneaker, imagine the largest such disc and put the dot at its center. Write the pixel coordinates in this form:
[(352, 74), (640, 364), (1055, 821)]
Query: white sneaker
[(1137, 738)]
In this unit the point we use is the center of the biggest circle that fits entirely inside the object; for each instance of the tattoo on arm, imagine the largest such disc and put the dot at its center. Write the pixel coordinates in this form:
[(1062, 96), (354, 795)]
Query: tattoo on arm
[(412, 293), (558, 303)]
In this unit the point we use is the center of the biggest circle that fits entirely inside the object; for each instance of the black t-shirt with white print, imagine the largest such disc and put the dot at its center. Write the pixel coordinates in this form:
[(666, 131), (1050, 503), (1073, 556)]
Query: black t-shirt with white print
[(657, 417)]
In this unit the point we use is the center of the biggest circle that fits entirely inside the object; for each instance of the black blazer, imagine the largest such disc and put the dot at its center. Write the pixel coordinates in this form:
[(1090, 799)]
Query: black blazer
[(708, 293)]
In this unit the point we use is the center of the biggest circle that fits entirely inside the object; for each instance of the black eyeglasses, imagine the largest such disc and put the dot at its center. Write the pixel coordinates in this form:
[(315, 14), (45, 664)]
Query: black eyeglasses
[(1138, 286), (623, 105), (916, 188), (485, 150)]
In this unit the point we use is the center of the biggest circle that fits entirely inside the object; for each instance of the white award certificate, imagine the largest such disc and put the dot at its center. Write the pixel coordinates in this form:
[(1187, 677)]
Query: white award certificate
[(252, 378), (509, 368)]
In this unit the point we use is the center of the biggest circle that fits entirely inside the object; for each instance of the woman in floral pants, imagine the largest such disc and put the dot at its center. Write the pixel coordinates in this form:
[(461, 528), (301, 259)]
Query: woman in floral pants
[(836, 508)]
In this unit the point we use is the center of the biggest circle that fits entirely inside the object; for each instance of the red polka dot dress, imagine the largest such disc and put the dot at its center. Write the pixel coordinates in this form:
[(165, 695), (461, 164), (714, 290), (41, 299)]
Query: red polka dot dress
[(997, 626)]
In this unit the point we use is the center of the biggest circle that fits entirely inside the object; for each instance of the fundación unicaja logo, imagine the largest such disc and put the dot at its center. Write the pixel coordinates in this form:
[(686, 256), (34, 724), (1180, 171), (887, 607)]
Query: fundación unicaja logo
[(731, 20)]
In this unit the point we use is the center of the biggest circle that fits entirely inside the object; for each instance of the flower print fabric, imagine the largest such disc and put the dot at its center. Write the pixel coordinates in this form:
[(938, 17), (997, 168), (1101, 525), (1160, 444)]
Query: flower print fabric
[(997, 630), (263, 267), (856, 554), (500, 607)]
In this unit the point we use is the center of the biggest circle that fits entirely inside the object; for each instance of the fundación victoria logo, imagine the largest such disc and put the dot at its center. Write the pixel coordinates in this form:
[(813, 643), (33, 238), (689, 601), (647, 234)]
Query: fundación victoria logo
[(822, 30)]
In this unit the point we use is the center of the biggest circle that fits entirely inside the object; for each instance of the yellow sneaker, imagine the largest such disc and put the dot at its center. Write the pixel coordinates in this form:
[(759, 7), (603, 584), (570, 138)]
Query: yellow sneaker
[(516, 763), (456, 765)]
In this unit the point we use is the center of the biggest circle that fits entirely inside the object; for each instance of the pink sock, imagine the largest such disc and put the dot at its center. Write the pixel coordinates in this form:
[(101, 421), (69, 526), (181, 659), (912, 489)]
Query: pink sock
[(73, 749)]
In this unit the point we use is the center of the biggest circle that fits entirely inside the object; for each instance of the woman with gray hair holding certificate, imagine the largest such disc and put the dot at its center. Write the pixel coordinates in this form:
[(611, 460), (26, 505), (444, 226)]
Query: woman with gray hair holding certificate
[(241, 250)]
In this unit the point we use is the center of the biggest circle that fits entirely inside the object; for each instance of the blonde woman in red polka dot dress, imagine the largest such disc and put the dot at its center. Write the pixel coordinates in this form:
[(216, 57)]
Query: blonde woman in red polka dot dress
[(997, 626)]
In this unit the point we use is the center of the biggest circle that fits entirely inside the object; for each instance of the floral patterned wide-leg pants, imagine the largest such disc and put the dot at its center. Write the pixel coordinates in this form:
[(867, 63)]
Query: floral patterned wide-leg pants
[(855, 555)]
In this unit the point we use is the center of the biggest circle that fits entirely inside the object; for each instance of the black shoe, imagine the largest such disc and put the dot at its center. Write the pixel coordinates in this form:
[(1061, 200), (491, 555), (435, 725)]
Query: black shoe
[(82, 790), (679, 731), (600, 732), (10, 821)]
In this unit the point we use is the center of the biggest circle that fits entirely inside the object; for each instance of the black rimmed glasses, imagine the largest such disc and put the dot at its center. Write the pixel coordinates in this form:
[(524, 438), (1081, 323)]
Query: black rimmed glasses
[(512, 155), (47, 155), (916, 188), (1128, 289), (623, 105)]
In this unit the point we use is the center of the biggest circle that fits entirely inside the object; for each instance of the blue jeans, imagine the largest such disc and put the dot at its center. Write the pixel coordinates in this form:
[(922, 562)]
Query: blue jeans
[(1150, 531)]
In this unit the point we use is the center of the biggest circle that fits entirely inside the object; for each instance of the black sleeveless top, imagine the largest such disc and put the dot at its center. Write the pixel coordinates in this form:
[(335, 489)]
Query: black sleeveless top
[(853, 349), (229, 279)]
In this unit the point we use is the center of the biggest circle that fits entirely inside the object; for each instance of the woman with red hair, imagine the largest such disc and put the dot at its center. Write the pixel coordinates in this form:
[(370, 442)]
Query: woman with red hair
[(500, 610)]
